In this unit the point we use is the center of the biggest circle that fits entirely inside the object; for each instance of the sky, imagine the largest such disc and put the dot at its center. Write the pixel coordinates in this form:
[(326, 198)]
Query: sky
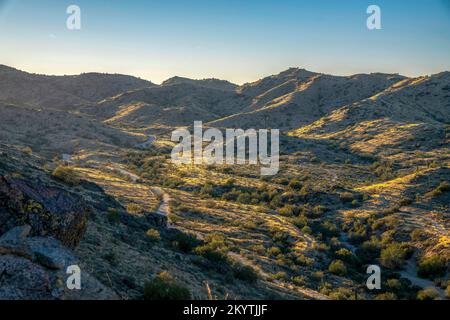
[(237, 40)]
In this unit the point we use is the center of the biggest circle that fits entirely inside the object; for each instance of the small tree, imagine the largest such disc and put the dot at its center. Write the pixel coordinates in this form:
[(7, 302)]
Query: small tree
[(338, 267), (393, 256), (66, 175), (427, 294), (165, 287), (433, 266)]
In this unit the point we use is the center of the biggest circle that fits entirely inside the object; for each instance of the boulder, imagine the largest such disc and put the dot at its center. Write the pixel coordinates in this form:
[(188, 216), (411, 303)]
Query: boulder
[(48, 210), (41, 275)]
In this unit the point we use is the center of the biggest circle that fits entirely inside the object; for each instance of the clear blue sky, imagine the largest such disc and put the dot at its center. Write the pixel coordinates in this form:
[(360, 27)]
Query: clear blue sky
[(237, 40)]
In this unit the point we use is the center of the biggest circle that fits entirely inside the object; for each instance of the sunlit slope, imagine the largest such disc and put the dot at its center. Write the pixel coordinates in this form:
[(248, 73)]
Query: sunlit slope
[(302, 97), (412, 115)]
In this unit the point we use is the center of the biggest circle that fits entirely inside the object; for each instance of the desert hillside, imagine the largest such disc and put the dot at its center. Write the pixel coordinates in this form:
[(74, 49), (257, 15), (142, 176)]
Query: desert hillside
[(86, 177)]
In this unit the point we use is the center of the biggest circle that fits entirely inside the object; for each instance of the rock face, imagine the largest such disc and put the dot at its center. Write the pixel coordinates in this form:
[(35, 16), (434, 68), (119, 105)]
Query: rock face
[(50, 211), (35, 269)]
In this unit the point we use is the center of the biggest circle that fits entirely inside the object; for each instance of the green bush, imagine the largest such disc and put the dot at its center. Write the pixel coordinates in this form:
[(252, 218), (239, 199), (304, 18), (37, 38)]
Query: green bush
[(393, 256), (288, 211), (431, 267), (427, 294), (274, 251), (245, 273), (66, 175), (111, 257), (153, 235), (299, 280), (300, 221), (337, 267), (279, 276), (184, 242), (419, 235), (342, 294), (113, 216), (346, 255), (386, 296), (306, 230), (346, 197), (164, 287), (295, 184), (369, 251), (134, 208), (215, 248)]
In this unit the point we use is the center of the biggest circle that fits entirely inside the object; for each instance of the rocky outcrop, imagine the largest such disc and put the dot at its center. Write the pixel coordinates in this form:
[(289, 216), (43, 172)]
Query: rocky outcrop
[(50, 211), (35, 268)]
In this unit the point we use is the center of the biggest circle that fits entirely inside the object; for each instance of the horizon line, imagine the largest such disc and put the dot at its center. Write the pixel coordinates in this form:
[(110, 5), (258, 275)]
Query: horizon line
[(214, 78)]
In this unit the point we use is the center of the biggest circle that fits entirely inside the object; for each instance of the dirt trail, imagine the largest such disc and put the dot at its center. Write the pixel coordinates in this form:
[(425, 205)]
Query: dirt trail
[(410, 273), (164, 208), (308, 293)]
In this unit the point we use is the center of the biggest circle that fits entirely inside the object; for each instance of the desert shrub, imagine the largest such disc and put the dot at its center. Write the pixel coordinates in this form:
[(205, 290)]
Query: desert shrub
[(447, 292), (113, 216), (134, 208), (329, 230), (274, 251), (405, 202), (27, 150), (279, 276), (304, 261), (386, 296), (295, 184), (229, 182), (244, 198), (153, 235), (207, 190), (66, 175), (443, 187), (215, 249), (184, 242), (419, 235), (288, 210), (276, 202), (341, 294), (300, 221), (245, 273), (433, 266), (383, 170), (345, 255), (319, 210), (306, 230), (393, 284), (337, 267), (318, 275), (299, 280), (346, 197), (358, 230), (165, 287), (391, 210), (394, 255), (111, 257), (427, 294)]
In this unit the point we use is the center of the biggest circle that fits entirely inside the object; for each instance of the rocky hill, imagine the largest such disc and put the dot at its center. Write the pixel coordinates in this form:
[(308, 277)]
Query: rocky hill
[(174, 104), (207, 83), (363, 179), (297, 97), (62, 92)]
